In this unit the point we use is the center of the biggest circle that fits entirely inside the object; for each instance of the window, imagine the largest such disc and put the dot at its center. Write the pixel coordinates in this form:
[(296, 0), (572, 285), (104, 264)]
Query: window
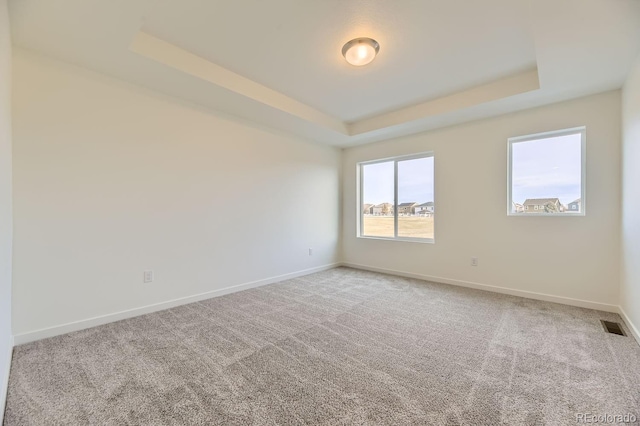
[(396, 188), (547, 170)]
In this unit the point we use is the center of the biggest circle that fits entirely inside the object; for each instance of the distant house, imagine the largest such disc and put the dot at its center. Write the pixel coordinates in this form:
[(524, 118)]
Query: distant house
[(519, 208), (382, 209), (366, 208), (543, 205), (425, 209), (407, 208), (574, 206)]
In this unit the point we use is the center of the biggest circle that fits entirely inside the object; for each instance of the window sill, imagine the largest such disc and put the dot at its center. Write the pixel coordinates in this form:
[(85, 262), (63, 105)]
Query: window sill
[(546, 214), (401, 239)]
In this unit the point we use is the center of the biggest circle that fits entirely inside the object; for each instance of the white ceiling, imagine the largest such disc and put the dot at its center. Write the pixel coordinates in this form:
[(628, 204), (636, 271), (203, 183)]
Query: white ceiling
[(278, 62)]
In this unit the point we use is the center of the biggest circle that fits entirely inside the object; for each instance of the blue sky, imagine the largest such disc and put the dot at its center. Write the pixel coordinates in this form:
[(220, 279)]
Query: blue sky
[(543, 168), (415, 181), (547, 168)]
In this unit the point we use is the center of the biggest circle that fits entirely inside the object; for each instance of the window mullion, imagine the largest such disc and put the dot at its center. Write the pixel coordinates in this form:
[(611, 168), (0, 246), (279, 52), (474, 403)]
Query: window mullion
[(361, 201), (395, 199)]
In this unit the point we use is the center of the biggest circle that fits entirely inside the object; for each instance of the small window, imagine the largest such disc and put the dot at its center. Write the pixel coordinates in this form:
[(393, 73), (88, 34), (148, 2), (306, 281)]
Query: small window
[(548, 171), (386, 185)]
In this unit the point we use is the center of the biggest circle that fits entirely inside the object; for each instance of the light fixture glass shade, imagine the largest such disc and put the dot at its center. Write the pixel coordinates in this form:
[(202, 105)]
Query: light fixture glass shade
[(360, 51)]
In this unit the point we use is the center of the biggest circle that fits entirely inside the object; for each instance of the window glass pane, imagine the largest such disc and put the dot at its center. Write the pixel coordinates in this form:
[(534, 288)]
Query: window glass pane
[(377, 200), (416, 208), (546, 175)]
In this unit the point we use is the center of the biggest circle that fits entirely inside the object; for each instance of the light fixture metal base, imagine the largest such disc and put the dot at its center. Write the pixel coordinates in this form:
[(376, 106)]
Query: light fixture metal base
[(364, 40)]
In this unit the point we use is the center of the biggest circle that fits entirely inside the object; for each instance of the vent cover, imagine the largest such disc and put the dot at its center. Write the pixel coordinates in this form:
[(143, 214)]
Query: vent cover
[(612, 327)]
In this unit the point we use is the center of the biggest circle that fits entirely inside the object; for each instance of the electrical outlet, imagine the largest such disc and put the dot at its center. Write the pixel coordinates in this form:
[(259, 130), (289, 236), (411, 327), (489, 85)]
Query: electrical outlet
[(148, 276), (310, 251), (474, 261)]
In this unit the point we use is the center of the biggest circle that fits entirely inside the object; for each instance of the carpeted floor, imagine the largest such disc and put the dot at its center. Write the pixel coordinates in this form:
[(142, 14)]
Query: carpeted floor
[(337, 347)]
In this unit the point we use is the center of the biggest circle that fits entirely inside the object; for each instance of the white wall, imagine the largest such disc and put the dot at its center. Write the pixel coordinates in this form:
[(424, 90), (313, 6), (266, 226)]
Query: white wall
[(5, 202), (111, 180), (630, 288), (560, 256)]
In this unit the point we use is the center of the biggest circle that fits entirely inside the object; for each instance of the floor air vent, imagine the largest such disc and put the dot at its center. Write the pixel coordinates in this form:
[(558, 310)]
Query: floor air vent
[(612, 327)]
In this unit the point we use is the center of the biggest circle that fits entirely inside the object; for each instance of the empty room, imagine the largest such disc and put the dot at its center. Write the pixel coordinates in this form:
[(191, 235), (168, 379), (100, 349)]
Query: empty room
[(332, 212)]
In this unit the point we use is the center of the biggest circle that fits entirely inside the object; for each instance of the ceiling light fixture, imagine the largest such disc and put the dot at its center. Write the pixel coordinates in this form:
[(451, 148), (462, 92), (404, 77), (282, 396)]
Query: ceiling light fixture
[(360, 51)]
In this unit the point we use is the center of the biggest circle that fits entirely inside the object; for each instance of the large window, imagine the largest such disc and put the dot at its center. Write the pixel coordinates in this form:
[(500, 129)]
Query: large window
[(397, 198), (547, 174)]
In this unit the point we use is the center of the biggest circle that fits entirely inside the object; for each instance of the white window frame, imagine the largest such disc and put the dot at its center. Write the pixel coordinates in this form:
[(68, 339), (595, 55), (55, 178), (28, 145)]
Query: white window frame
[(545, 135), (360, 180)]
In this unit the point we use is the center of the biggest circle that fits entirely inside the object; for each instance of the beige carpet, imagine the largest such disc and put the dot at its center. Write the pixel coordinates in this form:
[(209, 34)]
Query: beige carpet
[(334, 348)]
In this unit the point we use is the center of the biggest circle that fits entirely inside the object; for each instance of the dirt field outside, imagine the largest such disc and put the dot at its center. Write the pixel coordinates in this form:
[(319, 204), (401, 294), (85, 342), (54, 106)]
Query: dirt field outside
[(408, 226)]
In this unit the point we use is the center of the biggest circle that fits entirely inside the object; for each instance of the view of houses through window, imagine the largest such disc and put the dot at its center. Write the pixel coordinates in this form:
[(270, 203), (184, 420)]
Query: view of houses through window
[(415, 208), (546, 177), (546, 173)]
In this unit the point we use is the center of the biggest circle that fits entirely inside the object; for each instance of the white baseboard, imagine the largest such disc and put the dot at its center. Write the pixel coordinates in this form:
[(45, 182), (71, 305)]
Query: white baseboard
[(495, 289), (44, 333), (104, 319), (5, 383), (630, 325)]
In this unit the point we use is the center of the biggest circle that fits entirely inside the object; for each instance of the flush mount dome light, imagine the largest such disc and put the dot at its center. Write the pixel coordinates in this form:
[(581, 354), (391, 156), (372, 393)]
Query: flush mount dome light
[(360, 51)]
